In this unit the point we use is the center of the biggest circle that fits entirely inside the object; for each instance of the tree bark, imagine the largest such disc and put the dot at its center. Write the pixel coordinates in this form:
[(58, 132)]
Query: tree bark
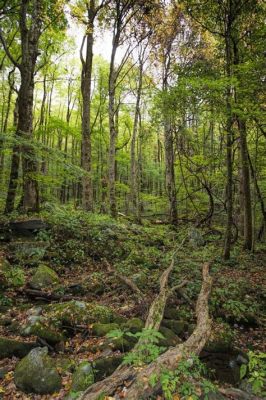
[(137, 380), (87, 189)]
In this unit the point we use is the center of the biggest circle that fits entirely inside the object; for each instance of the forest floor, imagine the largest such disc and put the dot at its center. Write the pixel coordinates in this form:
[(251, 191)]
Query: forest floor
[(83, 251)]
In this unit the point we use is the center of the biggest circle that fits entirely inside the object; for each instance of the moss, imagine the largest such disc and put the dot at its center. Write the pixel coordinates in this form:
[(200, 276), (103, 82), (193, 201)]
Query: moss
[(134, 325), (105, 366), (171, 313), (83, 377), (102, 329), (44, 277), (48, 333), (170, 338), (10, 348), (78, 312), (36, 373), (177, 327)]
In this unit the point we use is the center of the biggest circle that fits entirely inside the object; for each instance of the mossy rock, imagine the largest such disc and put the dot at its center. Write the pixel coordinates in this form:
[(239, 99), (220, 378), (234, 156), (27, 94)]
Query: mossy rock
[(104, 367), (44, 277), (36, 373), (78, 312), (83, 377), (10, 348), (65, 364), (102, 329), (122, 344), (171, 313), (170, 338), (49, 333), (134, 325), (178, 327)]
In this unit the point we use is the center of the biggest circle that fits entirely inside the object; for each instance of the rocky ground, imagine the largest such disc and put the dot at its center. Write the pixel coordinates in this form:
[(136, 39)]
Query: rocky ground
[(67, 318)]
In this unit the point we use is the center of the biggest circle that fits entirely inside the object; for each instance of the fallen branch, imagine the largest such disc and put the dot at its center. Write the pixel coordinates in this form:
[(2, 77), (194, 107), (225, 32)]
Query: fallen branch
[(127, 281), (41, 295), (138, 379), (238, 394)]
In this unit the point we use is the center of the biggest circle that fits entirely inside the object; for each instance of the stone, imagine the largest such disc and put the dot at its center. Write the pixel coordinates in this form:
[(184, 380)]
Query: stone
[(83, 377), (170, 338), (134, 325), (44, 277), (102, 329), (28, 252), (122, 344), (65, 364), (178, 327), (44, 331), (171, 313), (36, 373), (104, 367), (10, 348), (73, 313)]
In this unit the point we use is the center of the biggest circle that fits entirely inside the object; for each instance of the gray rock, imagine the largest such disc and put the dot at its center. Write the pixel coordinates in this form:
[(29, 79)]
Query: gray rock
[(83, 377), (36, 373), (44, 277)]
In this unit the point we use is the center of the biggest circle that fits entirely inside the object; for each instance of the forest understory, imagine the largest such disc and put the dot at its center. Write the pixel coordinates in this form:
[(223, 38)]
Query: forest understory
[(54, 279)]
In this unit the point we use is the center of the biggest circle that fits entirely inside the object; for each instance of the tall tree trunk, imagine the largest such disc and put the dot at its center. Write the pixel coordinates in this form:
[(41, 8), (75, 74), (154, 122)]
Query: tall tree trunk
[(248, 230), (133, 162), (87, 190), (113, 132), (229, 139)]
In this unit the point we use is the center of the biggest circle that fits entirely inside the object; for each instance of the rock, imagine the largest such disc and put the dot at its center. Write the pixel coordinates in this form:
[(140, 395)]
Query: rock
[(83, 377), (65, 364), (28, 252), (10, 348), (44, 331), (36, 373), (122, 344), (104, 367), (27, 228), (170, 339), (177, 327), (44, 277), (103, 329), (134, 325), (171, 313), (195, 238), (73, 313)]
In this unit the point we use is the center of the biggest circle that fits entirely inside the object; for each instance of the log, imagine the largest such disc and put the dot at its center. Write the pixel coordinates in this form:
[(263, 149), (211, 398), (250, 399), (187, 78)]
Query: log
[(137, 379), (47, 296)]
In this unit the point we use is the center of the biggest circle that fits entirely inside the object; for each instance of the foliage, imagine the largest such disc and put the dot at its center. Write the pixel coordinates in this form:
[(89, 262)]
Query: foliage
[(255, 371), (185, 381)]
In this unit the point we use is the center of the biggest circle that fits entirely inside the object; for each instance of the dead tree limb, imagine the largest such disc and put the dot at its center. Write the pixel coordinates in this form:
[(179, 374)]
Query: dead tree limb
[(137, 379), (127, 281)]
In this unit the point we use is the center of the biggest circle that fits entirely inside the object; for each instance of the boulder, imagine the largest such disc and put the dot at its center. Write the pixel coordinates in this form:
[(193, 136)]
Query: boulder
[(178, 327), (39, 328), (83, 377), (134, 325), (104, 367), (10, 348), (28, 252), (170, 338), (36, 373), (171, 313), (102, 329), (44, 277), (73, 313)]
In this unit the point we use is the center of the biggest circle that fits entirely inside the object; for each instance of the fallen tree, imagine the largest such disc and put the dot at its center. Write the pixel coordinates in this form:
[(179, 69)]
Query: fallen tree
[(136, 381)]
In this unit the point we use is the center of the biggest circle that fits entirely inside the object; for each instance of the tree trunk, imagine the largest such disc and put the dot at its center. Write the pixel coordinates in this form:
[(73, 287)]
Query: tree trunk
[(138, 386), (87, 189)]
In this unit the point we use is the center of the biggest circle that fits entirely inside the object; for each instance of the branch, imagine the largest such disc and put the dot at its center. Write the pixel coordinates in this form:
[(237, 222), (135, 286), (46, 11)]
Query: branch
[(6, 48)]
